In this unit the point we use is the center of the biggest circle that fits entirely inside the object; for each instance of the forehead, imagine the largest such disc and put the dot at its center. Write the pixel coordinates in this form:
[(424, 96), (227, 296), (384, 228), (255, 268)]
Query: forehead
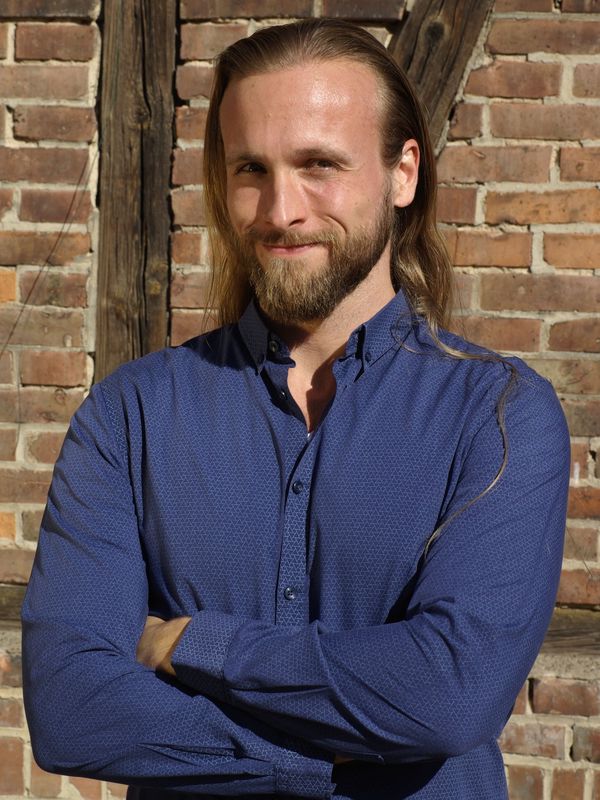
[(323, 99)]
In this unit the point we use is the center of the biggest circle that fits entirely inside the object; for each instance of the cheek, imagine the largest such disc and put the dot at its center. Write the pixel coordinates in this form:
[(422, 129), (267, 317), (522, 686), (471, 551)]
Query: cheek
[(242, 205)]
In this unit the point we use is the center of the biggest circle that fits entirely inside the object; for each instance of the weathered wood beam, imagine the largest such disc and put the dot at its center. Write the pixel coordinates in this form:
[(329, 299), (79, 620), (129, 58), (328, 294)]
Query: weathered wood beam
[(433, 48), (136, 124)]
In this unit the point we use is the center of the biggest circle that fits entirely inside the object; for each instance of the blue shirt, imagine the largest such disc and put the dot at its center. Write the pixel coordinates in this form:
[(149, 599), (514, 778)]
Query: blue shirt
[(322, 624)]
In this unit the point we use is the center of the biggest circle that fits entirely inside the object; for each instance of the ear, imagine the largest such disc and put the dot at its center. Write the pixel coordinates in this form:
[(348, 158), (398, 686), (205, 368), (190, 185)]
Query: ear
[(405, 174)]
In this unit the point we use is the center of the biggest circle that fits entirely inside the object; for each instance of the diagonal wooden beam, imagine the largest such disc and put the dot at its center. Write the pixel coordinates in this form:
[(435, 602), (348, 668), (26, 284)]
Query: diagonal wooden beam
[(433, 47), (136, 124)]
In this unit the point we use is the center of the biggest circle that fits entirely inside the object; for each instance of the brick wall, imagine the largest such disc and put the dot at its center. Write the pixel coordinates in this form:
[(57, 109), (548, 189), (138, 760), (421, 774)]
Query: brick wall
[(520, 206)]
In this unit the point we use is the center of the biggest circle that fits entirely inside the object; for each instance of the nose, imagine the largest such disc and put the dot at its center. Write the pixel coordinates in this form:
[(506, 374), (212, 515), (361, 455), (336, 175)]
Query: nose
[(283, 203)]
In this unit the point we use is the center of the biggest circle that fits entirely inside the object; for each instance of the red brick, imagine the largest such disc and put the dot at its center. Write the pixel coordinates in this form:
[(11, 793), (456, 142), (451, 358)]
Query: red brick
[(6, 201), (38, 9), (8, 285), (525, 783), (30, 522), (524, 208), (50, 287), (581, 544), (534, 739), (571, 376), (87, 788), (354, 9), (53, 368), (583, 417), (520, 292), (188, 207), (186, 248), (520, 706), (456, 204), (577, 250), (586, 744), (586, 80), (10, 675), (584, 502), (24, 247), (19, 485), (187, 166), (44, 784), (44, 447), (3, 39), (52, 81), (60, 42), (471, 163), (482, 248), (11, 712), (580, 163), (187, 324), (581, 6), (580, 335), (46, 327), (39, 404), (11, 774), (194, 80), (8, 526), (15, 565), (535, 121), (205, 41), (190, 290), (40, 205), (508, 6), (568, 784), (55, 123), (6, 367), (8, 444), (595, 785), (565, 36), (190, 122), (562, 696), (515, 79), (497, 333), (207, 9), (466, 121), (463, 290), (42, 165)]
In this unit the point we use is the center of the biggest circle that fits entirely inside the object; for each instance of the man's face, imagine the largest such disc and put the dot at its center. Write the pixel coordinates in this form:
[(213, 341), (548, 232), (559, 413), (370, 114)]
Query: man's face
[(307, 193)]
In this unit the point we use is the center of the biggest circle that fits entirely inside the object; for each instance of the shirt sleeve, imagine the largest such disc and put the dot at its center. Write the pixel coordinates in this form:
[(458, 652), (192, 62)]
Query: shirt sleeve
[(443, 679), (93, 710)]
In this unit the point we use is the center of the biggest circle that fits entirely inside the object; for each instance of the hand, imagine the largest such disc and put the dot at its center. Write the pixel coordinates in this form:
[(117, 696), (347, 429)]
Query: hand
[(341, 759), (158, 641)]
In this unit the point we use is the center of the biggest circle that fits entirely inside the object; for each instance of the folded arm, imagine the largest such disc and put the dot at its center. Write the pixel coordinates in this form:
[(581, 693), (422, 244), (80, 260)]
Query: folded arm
[(441, 681), (93, 710)]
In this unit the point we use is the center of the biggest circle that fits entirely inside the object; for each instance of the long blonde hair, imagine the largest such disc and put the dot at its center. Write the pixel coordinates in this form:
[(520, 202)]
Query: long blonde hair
[(420, 264)]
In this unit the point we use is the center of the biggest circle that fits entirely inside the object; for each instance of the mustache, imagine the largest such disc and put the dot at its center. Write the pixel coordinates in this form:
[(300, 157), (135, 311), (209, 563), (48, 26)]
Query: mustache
[(289, 238)]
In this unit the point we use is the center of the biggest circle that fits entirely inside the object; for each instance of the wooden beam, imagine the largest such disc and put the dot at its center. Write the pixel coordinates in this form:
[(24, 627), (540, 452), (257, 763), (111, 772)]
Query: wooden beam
[(433, 48), (136, 124)]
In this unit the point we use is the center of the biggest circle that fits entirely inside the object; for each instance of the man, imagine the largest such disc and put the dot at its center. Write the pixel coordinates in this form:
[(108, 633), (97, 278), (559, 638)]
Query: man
[(314, 552)]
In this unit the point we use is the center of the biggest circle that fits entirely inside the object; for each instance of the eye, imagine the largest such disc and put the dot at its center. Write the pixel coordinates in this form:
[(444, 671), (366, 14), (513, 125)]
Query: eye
[(249, 168), (321, 164)]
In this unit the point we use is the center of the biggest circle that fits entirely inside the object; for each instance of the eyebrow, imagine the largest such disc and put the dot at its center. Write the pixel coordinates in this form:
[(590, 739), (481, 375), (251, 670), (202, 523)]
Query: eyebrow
[(325, 152)]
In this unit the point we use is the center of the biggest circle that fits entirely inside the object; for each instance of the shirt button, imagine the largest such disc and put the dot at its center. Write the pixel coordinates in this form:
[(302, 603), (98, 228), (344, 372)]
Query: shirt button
[(289, 593), (297, 487), (368, 356), (273, 346)]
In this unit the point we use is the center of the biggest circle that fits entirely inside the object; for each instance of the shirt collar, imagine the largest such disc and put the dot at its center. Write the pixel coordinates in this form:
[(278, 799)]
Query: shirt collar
[(369, 341)]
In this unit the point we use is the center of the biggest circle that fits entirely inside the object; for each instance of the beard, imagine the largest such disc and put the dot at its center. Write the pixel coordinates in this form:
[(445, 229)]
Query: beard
[(289, 291)]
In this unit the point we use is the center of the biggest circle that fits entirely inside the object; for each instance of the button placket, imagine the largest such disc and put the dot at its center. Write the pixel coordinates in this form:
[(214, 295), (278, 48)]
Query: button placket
[(292, 594)]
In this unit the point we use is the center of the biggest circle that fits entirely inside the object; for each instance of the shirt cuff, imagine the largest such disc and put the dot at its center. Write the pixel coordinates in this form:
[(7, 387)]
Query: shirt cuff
[(199, 661), (199, 658)]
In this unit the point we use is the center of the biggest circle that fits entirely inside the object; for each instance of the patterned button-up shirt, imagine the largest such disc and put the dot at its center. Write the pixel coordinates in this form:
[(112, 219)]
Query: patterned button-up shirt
[(325, 618)]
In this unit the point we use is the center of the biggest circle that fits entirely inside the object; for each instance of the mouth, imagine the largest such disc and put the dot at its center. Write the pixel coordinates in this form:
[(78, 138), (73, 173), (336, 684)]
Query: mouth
[(288, 250)]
